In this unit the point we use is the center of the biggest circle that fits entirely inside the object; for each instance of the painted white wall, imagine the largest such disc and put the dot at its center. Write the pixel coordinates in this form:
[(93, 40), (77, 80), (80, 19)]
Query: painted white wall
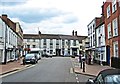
[(2, 27), (91, 33), (100, 32), (54, 45), (11, 40)]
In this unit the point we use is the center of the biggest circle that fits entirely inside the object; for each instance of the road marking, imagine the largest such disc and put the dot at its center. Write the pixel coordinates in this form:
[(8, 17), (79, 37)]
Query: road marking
[(78, 81), (71, 70), (76, 78), (76, 75)]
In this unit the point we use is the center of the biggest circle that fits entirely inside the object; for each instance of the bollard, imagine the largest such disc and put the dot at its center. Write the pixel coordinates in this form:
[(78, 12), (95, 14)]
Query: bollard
[(24, 61), (83, 65)]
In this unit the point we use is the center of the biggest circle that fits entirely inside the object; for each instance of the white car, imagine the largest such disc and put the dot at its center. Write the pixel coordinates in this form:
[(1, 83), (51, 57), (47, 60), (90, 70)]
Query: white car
[(37, 54)]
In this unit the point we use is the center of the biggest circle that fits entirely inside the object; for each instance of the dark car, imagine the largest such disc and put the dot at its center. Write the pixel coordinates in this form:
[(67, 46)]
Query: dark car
[(107, 76), (31, 58), (47, 55)]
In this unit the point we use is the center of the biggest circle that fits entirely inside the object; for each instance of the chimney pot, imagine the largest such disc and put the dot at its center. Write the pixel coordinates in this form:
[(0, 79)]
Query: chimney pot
[(4, 15), (39, 32), (73, 32)]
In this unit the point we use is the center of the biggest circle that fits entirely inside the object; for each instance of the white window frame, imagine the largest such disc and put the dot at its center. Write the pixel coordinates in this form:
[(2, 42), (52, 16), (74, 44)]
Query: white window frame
[(114, 6), (115, 27), (115, 47), (109, 30), (119, 3), (1, 28), (108, 11)]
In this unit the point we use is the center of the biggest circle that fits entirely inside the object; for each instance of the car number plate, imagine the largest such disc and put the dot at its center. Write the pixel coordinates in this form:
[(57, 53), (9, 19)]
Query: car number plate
[(27, 61)]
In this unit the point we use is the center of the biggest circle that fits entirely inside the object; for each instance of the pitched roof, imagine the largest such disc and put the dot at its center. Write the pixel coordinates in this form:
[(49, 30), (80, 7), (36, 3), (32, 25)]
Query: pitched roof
[(80, 38), (53, 36), (69, 37), (31, 36), (49, 36)]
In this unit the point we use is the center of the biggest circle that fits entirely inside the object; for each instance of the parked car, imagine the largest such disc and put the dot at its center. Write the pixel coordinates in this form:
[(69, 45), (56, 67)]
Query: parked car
[(47, 55), (107, 76), (36, 51), (72, 56), (30, 58)]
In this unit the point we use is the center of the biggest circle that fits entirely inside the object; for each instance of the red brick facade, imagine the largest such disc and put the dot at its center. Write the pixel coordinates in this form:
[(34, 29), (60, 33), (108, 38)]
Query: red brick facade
[(116, 14)]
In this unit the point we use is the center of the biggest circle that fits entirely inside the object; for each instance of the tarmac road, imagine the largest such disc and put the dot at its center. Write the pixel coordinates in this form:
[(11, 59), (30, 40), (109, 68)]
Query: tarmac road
[(56, 69)]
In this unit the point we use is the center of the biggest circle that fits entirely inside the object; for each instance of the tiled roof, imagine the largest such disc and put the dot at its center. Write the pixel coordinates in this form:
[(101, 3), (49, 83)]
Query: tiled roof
[(80, 38), (69, 37), (53, 36), (49, 36), (30, 36)]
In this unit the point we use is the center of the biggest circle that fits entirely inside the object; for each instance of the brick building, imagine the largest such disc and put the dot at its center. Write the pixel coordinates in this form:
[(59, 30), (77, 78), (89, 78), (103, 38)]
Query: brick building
[(111, 12)]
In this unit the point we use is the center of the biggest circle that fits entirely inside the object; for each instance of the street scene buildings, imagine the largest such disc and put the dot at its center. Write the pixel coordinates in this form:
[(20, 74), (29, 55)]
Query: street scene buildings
[(58, 45), (11, 38), (107, 34), (102, 42), (56, 41)]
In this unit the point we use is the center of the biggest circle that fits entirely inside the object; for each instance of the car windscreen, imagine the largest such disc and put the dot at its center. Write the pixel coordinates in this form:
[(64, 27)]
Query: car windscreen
[(112, 79), (29, 56)]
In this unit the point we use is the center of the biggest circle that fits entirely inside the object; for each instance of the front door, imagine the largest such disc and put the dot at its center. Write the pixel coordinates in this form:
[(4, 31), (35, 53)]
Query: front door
[(108, 54)]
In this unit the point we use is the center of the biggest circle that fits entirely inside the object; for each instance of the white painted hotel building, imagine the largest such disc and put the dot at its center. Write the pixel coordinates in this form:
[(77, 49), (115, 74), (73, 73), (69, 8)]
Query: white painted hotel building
[(54, 44)]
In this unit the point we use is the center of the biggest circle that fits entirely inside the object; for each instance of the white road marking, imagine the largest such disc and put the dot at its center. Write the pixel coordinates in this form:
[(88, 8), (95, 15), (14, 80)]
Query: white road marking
[(76, 75), (76, 78), (71, 70), (78, 81)]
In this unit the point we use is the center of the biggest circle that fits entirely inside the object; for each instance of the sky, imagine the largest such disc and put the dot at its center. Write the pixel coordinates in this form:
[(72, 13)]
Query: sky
[(52, 16)]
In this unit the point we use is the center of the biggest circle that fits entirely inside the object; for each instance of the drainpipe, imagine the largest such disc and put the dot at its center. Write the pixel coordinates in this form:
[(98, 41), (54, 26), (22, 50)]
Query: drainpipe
[(5, 41)]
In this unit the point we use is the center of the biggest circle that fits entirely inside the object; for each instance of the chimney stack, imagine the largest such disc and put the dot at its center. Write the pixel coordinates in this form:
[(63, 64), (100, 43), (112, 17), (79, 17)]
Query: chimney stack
[(39, 32), (73, 32), (4, 17)]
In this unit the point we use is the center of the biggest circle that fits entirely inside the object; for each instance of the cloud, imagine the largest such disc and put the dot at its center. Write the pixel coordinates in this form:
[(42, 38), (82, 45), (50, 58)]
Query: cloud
[(12, 2), (34, 15), (70, 19), (54, 16)]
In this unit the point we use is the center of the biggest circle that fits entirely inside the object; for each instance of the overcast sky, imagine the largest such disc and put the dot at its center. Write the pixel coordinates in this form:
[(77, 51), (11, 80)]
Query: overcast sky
[(52, 16)]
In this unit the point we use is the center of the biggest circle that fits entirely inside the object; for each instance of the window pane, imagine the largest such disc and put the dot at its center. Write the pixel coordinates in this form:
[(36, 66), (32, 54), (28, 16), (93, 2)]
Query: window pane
[(114, 79)]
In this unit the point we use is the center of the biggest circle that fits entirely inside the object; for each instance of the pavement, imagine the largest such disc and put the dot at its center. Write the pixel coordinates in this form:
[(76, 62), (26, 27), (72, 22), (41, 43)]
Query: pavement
[(90, 70), (11, 67)]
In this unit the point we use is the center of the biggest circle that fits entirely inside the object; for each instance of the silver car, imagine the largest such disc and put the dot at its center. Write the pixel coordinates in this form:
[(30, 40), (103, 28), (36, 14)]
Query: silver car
[(31, 58), (107, 76)]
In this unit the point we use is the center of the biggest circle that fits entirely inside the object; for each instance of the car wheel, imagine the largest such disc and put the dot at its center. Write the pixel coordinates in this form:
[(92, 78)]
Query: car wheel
[(35, 62)]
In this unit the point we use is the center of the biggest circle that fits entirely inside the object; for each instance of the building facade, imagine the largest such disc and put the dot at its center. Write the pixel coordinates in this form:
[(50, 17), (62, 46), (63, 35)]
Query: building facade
[(111, 11), (19, 32), (9, 38), (58, 45), (101, 56), (92, 36)]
